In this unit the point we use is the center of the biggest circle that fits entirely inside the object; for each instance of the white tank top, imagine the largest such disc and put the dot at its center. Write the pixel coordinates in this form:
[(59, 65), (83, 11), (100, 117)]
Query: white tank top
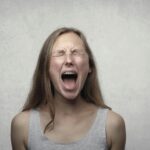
[(95, 139)]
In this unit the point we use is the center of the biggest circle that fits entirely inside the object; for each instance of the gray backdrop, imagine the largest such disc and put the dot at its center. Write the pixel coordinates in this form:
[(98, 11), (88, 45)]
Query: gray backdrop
[(118, 32)]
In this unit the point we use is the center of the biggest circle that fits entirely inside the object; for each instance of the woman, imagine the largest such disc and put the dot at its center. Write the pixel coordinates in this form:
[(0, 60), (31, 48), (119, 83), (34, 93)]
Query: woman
[(65, 109)]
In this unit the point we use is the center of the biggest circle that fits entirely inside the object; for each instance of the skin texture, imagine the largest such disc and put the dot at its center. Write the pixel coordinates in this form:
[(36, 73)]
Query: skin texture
[(72, 111), (68, 54)]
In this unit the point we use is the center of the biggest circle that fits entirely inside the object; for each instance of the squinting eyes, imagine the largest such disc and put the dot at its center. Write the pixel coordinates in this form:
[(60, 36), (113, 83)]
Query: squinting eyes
[(75, 52)]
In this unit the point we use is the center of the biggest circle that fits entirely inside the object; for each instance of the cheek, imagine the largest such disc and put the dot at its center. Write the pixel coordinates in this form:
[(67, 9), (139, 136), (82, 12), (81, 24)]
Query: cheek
[(54, 67), (84, 64), (54, 72)]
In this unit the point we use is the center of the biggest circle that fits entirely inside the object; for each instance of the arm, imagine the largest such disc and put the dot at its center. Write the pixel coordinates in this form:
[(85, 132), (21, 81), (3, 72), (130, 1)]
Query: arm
[(116, 133), (19, 132)]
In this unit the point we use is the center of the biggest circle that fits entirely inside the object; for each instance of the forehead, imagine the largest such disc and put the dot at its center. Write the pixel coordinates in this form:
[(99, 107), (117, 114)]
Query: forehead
[(70, 40)]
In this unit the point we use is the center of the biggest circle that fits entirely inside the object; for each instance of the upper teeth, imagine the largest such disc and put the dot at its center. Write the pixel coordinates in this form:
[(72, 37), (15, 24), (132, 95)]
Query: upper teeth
[(69, 72)]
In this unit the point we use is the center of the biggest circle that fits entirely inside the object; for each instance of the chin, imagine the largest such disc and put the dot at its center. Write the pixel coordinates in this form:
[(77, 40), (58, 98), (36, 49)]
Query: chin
[(70, 97)]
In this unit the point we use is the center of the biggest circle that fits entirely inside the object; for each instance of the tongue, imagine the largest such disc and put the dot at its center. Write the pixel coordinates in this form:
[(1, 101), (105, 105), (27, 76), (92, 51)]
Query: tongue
[(69, 84)]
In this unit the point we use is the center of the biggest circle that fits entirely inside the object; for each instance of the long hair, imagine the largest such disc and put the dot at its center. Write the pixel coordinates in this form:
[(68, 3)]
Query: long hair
[(42, 89)]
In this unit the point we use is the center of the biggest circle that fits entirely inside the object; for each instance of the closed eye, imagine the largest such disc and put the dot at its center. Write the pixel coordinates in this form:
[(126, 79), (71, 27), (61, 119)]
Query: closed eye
[(77, 52), (58, 53)]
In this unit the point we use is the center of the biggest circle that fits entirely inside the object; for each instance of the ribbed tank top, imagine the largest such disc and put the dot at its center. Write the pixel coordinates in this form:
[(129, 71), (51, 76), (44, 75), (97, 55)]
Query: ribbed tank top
[(95, 139)]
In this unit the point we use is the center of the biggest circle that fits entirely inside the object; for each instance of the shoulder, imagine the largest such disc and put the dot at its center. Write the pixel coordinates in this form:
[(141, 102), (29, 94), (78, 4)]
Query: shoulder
[(20, 118), (20, 121), (19, 129), (114, 120), (115, 130)]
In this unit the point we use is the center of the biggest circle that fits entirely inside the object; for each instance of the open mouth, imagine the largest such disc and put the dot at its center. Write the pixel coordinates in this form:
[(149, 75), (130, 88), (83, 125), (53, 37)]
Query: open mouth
[(69, 79), (69, 75)]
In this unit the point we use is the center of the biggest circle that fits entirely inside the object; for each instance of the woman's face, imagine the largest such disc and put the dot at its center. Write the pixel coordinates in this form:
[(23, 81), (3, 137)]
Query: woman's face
[(69, 65)]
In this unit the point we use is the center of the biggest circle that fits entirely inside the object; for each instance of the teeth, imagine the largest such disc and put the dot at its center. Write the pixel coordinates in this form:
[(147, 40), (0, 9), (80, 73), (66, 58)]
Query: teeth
[(69, 72)]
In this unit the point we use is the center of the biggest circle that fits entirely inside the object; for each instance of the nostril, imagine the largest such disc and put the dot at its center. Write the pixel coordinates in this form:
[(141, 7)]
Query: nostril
[(68, 64)]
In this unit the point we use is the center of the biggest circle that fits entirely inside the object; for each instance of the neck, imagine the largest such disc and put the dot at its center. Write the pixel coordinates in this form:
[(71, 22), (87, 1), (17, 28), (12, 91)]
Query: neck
[(65, 106)]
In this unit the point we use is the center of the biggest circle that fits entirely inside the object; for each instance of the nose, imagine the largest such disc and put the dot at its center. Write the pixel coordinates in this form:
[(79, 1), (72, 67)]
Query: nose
[(69, 59)]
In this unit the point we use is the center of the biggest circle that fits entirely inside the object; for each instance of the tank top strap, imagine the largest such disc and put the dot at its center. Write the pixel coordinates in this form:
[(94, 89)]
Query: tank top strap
[(98, 130), (34, 133), (102, 116)]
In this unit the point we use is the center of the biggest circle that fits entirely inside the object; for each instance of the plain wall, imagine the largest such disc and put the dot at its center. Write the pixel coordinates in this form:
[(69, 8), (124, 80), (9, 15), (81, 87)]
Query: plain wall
[(118, 32)]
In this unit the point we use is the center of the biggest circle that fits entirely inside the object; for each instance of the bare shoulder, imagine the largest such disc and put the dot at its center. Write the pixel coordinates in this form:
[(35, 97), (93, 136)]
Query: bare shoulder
[(115, 120), (20, 119), (19, 130), (115, 129)]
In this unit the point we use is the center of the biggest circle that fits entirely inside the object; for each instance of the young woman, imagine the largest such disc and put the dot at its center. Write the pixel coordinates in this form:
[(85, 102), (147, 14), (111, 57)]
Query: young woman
[(65, 109)]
